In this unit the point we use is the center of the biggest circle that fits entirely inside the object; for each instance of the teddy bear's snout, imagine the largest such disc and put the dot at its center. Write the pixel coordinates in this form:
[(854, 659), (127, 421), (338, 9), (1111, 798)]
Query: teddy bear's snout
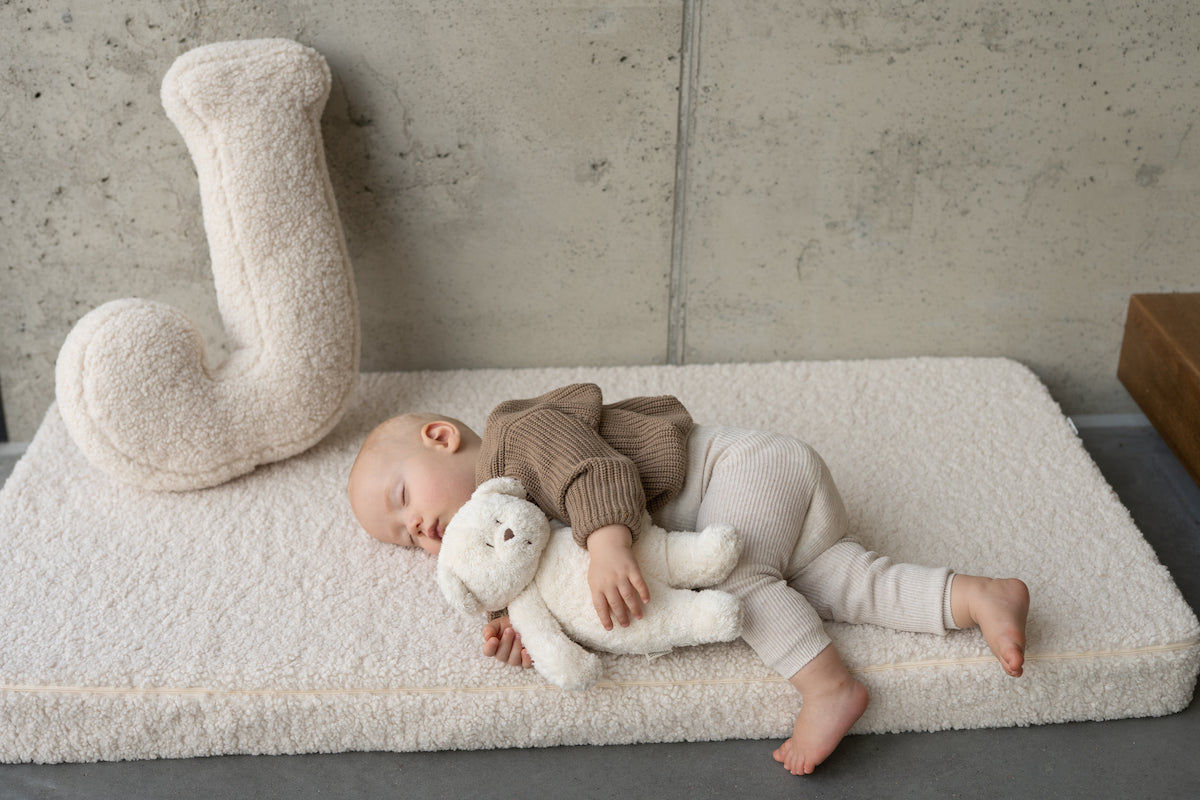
[(508, 534)]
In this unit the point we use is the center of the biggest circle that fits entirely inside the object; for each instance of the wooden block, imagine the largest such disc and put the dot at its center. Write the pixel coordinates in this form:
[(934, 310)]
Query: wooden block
[(1160, 366)]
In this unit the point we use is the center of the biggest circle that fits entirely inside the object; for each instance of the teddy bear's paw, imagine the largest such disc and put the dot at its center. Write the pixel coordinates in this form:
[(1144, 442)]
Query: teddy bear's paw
[(719, 546), (588, 678), (689, 559), (717, 617), (573, 673)]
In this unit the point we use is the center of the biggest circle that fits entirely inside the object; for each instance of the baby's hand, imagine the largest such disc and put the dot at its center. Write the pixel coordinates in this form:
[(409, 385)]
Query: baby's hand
[(618, 589), (502, 642)]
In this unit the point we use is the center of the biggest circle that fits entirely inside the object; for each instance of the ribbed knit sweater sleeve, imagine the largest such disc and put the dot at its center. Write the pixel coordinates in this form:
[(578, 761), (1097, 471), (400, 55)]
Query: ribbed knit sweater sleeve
[(585, 463)]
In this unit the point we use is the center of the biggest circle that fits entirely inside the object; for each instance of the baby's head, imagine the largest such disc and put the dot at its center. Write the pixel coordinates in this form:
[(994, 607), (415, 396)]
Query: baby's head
[(411, 476)]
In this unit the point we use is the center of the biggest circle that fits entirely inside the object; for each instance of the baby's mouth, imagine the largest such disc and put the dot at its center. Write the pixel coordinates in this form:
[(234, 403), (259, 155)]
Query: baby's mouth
[(435, 532)]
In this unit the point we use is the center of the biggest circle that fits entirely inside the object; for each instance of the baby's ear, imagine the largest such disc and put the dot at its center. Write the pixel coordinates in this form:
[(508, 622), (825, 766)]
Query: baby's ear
[(509, 486), (442, 435)]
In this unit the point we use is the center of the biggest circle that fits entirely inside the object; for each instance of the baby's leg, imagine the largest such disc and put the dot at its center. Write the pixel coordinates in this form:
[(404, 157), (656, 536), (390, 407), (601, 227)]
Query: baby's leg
[(833, 702), (849, 584), (779, 494)]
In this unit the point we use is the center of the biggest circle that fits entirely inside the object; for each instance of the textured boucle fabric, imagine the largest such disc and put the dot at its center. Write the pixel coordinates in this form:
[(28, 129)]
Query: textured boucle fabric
[(256, 617)]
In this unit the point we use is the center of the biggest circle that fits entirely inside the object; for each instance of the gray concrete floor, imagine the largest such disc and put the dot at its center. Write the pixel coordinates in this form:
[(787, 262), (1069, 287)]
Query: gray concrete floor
[(1123, 758)]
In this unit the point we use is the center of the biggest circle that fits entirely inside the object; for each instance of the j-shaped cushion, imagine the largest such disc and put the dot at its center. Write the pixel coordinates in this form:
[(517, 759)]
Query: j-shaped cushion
[(133, 384)]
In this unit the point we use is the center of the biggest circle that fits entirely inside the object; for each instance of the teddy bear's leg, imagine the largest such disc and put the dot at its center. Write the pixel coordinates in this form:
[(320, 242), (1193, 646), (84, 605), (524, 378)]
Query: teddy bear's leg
[(133, 384), (718, 616), (687, 559), (557, 658), (681, 617)]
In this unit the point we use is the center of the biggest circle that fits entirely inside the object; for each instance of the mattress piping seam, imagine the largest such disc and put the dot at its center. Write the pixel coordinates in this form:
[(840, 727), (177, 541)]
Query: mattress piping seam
[(968, 661)]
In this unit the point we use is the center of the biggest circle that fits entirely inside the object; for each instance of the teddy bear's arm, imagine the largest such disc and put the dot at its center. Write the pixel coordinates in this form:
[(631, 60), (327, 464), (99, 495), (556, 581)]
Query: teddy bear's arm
[(688, 559), (557, 658)]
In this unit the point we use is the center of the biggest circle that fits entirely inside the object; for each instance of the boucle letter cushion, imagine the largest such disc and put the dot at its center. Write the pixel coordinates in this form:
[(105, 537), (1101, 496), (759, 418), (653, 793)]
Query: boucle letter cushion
[(133, 384), (257, 617)]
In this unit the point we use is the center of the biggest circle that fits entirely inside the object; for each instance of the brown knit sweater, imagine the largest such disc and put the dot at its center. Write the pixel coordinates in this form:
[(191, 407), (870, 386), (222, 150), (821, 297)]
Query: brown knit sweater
[(586, 463)]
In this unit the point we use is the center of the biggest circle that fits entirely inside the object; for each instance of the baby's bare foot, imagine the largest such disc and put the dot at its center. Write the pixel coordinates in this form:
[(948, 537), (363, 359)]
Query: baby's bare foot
[(823, 721), (999, 607)]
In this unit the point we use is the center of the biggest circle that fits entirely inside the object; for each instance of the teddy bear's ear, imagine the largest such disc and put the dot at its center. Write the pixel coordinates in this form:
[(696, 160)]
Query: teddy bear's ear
[(509, 486), (457, 592)]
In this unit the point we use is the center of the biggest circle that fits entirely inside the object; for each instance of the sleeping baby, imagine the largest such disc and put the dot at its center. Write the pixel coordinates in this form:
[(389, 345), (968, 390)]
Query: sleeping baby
[(597, 466)]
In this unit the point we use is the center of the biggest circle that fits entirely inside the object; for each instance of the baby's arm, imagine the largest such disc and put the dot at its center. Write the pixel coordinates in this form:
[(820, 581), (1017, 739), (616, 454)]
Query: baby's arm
[(574, 474), (502, 642), (618, 589)]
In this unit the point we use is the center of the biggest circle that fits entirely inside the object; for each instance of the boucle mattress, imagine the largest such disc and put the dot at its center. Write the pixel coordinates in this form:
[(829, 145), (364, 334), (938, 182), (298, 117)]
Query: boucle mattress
[(254, 617)]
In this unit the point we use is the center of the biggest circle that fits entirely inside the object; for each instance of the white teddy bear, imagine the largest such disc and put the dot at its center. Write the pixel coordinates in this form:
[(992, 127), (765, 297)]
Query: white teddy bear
[(501, 551)]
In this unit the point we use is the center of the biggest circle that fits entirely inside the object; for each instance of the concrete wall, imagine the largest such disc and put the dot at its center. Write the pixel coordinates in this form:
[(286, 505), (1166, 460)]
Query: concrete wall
[(854, 179)]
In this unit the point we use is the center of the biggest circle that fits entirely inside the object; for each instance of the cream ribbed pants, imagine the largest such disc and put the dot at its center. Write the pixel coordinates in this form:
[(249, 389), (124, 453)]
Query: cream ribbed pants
[(797, 566)]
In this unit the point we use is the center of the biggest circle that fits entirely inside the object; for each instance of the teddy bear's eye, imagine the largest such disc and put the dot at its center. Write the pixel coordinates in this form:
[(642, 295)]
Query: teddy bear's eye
[(489, 544)]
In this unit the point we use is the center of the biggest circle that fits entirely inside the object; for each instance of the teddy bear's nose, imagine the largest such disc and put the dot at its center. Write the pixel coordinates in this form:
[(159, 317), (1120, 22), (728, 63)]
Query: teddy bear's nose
[(508, 534)]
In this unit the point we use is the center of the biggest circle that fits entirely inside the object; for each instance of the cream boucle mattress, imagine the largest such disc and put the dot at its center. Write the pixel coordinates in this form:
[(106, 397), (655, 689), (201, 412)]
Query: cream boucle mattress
[(254, 617)]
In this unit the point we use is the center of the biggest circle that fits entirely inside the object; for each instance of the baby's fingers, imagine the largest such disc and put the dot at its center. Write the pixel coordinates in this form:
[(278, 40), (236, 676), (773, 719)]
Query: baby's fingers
[(520, 656), (600, 603), (516, 653), (491, 647), (615, 604), (639, 584), (493, 629), (620, 611), (631, 599), (510, 644)]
